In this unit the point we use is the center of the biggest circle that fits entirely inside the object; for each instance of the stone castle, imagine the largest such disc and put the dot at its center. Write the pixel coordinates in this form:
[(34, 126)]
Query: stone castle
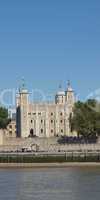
[(44, 119)]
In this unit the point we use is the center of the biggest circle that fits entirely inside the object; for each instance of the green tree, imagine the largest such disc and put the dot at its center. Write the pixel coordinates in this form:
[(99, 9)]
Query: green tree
[(3, 118), (86, 118)]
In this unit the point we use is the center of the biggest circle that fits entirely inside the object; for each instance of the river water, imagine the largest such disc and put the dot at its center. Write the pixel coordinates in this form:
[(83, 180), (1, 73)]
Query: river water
[(50, 184)]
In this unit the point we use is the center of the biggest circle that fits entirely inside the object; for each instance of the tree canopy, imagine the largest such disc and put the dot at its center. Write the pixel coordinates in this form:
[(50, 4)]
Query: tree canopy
[(3, 118), (86, 118)]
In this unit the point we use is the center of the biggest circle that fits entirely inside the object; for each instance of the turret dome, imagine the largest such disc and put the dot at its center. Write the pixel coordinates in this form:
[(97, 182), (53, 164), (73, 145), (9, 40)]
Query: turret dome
[(61, 93)]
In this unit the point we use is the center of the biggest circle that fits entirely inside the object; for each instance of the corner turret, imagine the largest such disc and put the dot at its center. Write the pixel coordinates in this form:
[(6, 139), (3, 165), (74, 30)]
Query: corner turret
[(70, 97), (22, 101), (60, 96)]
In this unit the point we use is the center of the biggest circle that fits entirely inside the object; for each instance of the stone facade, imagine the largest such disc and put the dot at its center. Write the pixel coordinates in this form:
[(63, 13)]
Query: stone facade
[(11, 129), (1, 136), (44, 119)]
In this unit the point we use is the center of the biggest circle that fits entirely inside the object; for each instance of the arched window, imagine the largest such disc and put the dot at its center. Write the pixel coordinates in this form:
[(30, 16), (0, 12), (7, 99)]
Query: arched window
[(41, 130)]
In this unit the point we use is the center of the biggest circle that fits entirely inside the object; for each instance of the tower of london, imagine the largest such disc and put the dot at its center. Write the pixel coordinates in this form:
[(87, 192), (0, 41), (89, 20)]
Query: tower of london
[(44, 119)]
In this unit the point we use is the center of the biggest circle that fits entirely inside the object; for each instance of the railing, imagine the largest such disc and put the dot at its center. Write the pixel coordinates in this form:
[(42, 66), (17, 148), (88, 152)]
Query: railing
[(44, 157)]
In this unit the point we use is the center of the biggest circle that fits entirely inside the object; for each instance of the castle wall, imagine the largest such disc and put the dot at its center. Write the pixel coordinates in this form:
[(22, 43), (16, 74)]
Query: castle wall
[(46, 120)]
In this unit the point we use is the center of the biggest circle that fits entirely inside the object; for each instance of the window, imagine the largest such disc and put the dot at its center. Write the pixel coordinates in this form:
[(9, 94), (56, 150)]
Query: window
[(61, 121), (51, 130), (41, 130), (51, 121), (39, 113), (51, 114), (10, 126), (61, 113), (34, 113), (61, 130), (31, 121), (10, 132), (41, 121)]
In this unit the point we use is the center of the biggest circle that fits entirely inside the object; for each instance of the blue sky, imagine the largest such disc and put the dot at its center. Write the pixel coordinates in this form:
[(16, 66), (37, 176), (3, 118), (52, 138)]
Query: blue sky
[(48, 42)]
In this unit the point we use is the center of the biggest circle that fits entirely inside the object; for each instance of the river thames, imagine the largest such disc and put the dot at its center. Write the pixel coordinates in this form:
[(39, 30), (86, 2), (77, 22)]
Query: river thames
[(50, 184)]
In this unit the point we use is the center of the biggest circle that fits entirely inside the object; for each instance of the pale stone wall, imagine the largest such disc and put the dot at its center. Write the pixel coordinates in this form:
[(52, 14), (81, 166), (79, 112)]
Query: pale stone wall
[(1, 137), (44, 144), (11, 129), (48, 120)]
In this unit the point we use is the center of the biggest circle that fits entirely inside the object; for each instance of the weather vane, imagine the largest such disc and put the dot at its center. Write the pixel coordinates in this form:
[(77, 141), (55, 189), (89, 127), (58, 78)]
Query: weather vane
[(69, 83), (23, 83), (60, 86)]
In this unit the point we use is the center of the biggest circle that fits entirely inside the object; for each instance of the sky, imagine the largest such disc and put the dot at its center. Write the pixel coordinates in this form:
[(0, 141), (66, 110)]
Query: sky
[(49, 42)]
